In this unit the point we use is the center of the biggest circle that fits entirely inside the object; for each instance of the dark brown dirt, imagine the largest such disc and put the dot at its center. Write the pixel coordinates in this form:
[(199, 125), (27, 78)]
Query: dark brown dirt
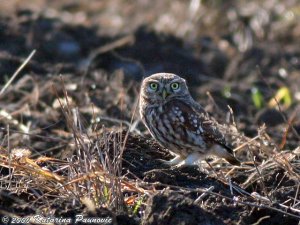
[(168, 207), (177, 208)]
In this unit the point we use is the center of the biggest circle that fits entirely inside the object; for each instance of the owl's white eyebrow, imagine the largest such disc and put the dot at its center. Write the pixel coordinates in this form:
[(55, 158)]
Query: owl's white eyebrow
[(151, 81)]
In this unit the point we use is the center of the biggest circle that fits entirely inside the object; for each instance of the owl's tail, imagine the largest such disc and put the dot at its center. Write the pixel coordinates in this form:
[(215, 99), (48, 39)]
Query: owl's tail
[(226, 153)]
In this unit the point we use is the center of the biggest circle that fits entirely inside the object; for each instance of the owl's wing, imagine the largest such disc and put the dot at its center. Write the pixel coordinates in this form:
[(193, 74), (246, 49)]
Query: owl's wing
[(211, 132), (197, 120), (213, 135), (194, 121)]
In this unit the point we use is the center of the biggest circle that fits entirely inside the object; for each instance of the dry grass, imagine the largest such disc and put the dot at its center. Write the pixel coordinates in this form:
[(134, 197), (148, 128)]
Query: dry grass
[(93, 174)]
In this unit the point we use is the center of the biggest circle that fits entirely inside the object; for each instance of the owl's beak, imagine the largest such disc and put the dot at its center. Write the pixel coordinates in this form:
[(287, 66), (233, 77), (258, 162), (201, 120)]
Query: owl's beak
[(165, 93)]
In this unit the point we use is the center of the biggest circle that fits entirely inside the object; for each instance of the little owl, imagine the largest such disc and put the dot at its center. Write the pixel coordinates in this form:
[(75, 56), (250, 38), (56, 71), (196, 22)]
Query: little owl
[(179, 123)]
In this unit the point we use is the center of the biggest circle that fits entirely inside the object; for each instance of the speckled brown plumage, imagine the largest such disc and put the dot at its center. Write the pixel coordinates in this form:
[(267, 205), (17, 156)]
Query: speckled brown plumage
[(179, 123)]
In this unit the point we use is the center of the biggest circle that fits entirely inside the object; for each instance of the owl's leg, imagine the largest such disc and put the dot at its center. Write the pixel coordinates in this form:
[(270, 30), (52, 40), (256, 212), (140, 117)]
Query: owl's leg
[(191, 160), (173, 161)]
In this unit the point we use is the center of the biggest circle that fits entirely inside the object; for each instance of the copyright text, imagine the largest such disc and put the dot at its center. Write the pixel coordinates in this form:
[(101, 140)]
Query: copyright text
[(57, 220)]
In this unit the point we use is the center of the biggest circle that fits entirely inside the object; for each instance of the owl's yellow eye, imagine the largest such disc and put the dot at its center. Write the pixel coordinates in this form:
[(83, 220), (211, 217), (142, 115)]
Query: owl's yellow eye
[(153, 86), (175, 86)]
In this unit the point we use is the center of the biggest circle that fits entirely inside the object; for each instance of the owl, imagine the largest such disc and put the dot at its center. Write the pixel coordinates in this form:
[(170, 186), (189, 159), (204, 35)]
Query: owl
[(179, 123)]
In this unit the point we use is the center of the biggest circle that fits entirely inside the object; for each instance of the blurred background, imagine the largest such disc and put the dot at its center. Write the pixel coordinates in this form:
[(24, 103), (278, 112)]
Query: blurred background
[(236, 53)]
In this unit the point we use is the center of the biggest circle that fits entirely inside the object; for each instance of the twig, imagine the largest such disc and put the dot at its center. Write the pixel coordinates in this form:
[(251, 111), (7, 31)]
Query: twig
[(17, 72), (203, 195), (246, 143), (106, 48), (131, 126), (291, 120), (113, 45), (296, 196), (290, 208), (9, 157), (260, 219), (260, 177)]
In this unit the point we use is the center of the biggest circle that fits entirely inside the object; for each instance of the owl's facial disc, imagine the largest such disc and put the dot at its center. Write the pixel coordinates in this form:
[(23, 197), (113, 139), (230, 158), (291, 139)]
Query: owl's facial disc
[(159, 88)]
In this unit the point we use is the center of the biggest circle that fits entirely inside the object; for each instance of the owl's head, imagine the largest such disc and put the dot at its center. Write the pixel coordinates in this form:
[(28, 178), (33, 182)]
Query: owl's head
[(162, 87)]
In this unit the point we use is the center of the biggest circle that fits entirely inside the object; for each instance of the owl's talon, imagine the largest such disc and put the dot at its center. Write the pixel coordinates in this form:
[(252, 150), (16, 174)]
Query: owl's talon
[(182, 165), (172, 162), (191, 160)]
